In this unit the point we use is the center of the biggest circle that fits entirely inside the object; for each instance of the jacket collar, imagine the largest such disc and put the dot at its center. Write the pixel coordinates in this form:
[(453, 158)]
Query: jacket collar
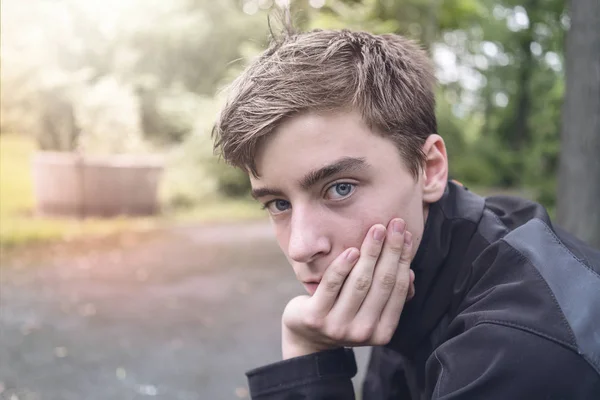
[(450, 226)]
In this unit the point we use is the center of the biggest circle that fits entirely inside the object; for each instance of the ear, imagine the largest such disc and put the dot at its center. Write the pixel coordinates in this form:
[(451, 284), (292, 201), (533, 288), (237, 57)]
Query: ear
[(435, 170)]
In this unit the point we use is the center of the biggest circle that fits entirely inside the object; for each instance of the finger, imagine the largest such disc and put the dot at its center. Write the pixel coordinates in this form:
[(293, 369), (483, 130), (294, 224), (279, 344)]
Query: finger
[(390, 315), (385, 275), (411, 290), (411, 293), (333, 280), (359, 281)]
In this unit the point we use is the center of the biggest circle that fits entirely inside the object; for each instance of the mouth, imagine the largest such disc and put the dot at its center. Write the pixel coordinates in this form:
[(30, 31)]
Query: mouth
[(311, 287)]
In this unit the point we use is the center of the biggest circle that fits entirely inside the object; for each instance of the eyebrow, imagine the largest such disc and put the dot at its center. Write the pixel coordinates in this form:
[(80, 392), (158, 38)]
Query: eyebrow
[(343, 165)]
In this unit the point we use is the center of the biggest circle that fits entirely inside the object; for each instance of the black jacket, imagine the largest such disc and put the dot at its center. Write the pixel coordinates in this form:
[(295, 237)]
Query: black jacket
[(506, 307)]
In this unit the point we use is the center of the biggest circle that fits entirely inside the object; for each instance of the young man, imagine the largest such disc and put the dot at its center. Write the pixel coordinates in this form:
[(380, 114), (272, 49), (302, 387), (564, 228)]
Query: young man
[(338, 133)]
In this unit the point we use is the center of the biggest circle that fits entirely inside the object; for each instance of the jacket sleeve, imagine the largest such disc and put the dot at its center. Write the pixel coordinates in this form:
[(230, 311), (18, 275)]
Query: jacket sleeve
[(319, 376), (493, 361)]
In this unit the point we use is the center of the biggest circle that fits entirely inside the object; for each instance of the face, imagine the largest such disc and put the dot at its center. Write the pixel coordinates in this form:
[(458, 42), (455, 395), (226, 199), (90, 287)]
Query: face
[(326, 179)]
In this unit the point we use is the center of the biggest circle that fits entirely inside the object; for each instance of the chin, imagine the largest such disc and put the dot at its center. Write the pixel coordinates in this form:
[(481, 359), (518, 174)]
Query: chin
[(311, 288)]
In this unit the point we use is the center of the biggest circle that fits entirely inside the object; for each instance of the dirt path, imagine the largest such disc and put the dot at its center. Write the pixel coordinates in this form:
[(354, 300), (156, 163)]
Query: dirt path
[(178, 315)]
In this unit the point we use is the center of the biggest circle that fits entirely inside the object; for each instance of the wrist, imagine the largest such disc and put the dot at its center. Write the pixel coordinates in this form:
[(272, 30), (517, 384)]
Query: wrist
[(294, 346)]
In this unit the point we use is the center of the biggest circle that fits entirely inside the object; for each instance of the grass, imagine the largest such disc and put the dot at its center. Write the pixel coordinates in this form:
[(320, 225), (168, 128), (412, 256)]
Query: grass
[(19, 226)]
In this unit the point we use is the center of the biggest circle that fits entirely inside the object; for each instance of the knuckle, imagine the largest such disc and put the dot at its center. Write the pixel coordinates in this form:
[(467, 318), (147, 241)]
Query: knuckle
[(383, 337), (332, 286), (397, 249), (293, 311), (336, 278), (336, 333), (377, 341), (313, 322), (362, 283), (405, 255), (373, 252), (402, 286), (388, 280), (362, 334)]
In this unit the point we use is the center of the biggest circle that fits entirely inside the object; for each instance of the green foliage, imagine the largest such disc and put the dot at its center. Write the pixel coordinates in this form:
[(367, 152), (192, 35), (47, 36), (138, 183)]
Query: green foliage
[(480, 163), (231, 182), (500, 67), (194, 174), (450, 127), (501, 80)]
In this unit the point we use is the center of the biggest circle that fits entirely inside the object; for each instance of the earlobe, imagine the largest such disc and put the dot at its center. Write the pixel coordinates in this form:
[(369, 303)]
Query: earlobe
[(435, 171)]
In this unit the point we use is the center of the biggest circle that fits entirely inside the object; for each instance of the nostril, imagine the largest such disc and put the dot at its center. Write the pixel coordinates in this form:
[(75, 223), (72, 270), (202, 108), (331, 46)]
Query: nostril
[(306, 241), (304, 252)]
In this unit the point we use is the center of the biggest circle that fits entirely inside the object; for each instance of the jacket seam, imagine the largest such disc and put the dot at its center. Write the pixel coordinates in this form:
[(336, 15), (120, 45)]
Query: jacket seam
[(489, 242), (476, 223), (561, 244), (563, 319), (530, 330), (497, 218)]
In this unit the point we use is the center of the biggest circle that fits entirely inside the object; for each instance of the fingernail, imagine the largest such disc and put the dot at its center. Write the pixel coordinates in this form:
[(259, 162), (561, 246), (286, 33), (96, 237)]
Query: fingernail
[(378, 233), (398, 226), (351, 255), (408, 238)]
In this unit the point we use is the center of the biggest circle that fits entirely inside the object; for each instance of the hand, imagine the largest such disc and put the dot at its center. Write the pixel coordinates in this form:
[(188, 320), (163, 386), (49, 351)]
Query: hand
[(354, 305)]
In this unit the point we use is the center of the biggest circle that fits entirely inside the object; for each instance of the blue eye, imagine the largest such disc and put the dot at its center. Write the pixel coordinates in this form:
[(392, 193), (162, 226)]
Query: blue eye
[(277, 206), (340, 190)]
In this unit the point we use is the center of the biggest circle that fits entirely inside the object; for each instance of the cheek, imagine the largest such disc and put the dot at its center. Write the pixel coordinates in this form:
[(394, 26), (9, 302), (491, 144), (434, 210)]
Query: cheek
[(353, 231), (281, 235), (380, 208), (353, 237)]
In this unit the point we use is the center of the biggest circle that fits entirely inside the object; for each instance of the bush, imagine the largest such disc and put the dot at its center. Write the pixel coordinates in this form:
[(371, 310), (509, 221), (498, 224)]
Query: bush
[(108, 114), (194, 174), (168, 116), (231, 182), (485, 163)]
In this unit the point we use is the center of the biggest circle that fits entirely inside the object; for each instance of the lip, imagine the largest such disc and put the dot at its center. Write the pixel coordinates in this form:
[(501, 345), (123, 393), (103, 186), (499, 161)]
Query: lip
[(311, 287)]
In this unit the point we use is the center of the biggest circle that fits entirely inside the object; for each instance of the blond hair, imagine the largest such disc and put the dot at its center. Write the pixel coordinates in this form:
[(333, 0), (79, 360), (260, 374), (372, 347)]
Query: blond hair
[(387, 78)]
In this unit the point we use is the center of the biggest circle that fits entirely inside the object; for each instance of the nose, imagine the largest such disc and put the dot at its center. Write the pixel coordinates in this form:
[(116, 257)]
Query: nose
[(308, 239)]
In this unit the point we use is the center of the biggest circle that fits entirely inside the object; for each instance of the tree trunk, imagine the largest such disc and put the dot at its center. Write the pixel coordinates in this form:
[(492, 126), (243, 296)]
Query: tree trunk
[(578, 197), (520, 133)]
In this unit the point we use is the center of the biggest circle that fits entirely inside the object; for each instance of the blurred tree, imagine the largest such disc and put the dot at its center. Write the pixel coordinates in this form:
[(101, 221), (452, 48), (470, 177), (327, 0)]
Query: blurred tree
[(186, 48), (57, 121), (499, 64), (169, 52), (523, 73), (579, 173), (500, 71)]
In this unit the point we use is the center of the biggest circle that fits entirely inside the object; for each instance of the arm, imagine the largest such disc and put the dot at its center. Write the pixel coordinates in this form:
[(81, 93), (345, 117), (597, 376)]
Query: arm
[(493, 361), (358, 302), (317, 376)]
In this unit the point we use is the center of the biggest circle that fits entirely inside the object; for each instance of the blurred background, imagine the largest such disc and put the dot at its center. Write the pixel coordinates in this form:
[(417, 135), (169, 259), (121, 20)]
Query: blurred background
[(132, 258)]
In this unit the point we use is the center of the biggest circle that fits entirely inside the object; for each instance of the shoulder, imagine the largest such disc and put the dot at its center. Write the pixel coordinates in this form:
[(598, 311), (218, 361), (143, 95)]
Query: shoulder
[(531, 280), (498, 360)]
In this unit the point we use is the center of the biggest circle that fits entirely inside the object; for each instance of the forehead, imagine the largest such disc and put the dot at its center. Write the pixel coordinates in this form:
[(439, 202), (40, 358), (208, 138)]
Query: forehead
[(312, 140)]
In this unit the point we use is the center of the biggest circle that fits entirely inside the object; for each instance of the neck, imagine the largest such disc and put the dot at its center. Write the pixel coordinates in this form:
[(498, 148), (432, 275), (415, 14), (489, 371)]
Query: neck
[(449, 225)]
